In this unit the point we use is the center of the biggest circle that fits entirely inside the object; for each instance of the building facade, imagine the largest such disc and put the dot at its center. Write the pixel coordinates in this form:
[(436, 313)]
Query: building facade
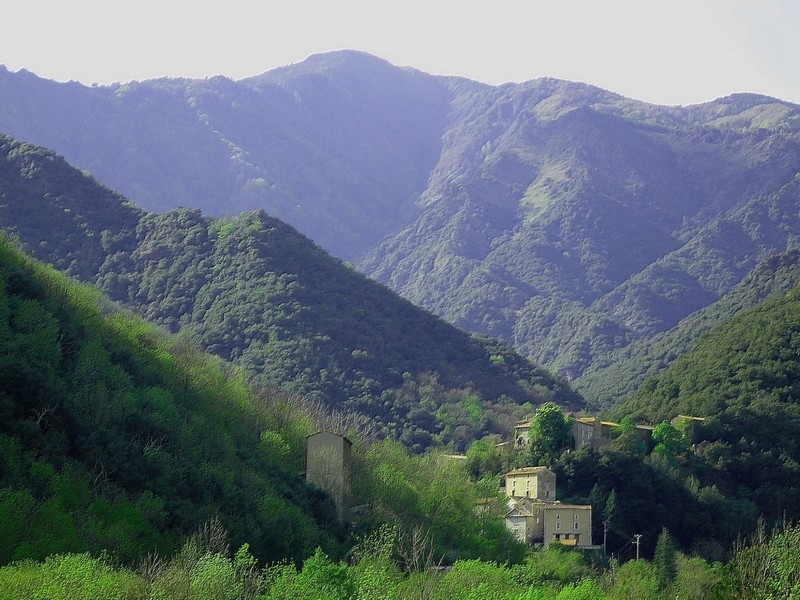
[(328, 467), (531, 482), (534, 515)]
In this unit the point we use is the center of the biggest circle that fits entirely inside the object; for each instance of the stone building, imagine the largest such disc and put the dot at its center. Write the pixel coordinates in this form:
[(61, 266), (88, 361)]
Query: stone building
[(328, 467), (535, 516), (538, 483), (586, 431)]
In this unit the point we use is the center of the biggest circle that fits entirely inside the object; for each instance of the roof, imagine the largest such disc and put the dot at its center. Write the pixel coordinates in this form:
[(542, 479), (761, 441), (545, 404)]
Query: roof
[(518, 511), (325, 431), (529, 471), (526, 504), (591, 421), (559, 505)]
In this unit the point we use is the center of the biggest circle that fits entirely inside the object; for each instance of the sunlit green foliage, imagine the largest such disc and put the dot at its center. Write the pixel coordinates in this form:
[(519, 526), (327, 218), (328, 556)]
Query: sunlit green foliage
[(434, 493), (118, 437), (69, 577), (550, 433), (765, 567)]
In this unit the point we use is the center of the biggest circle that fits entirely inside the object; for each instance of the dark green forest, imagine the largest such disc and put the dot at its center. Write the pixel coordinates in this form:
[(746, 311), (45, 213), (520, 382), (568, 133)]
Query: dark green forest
[(623, 371), (253, 291), (742, 377)]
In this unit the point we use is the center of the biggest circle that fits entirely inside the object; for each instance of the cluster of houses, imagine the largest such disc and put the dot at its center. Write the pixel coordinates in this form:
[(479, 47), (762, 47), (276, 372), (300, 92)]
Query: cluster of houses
[(534, 515)]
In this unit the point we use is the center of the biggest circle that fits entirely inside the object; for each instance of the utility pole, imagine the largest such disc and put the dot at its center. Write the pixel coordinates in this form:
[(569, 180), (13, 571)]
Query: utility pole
[(638, 536), (605, 535)]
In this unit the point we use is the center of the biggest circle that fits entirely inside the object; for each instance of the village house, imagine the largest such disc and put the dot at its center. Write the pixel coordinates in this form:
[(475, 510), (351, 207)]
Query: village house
[(535, 516), (691, 426), (586, 431), (531, 482), (522, 433)]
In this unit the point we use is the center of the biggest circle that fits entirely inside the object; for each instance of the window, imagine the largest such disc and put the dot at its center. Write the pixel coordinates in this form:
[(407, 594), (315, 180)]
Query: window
[(576, 526), (558, 524)]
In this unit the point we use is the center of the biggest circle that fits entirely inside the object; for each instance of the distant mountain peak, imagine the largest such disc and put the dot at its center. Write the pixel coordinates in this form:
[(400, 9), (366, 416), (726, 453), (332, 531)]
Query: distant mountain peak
[(350, 62)]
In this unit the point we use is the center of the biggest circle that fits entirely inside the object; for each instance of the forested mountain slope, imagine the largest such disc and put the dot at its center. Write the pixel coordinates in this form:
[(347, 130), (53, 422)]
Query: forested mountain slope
[(743, 377), (252, 290), (580, 226), (624, 370), (561, 218), (123, 441)]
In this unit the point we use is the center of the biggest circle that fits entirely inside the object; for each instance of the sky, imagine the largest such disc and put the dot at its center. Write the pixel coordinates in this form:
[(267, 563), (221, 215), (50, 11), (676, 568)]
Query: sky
[(661, 51)]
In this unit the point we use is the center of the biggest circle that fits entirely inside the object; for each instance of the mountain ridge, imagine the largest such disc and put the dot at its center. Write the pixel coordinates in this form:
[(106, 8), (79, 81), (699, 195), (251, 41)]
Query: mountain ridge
[(567, 220)]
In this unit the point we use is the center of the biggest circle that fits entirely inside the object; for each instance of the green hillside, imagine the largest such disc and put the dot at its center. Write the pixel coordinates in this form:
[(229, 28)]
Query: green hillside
[(118, 437), (743, 378)]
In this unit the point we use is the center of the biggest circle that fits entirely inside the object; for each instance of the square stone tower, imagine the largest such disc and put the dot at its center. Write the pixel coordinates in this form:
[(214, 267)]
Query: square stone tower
[(328, 467)]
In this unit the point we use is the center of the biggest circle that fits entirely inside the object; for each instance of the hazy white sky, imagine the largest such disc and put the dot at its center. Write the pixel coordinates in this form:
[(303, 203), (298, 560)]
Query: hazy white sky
[(664, 51)]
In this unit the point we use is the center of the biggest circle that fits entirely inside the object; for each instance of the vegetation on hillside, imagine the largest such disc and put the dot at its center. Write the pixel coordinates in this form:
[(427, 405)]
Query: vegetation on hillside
[(620, 374), (117, 437), (381, 568), (252, 290), (742, 377), (118, 440)]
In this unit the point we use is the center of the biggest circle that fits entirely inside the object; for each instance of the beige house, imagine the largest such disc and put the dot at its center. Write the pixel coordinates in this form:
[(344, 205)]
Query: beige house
[(535, 516), (328, 467), (591, 431), (531, 482), (569, 524), (586, 431)]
